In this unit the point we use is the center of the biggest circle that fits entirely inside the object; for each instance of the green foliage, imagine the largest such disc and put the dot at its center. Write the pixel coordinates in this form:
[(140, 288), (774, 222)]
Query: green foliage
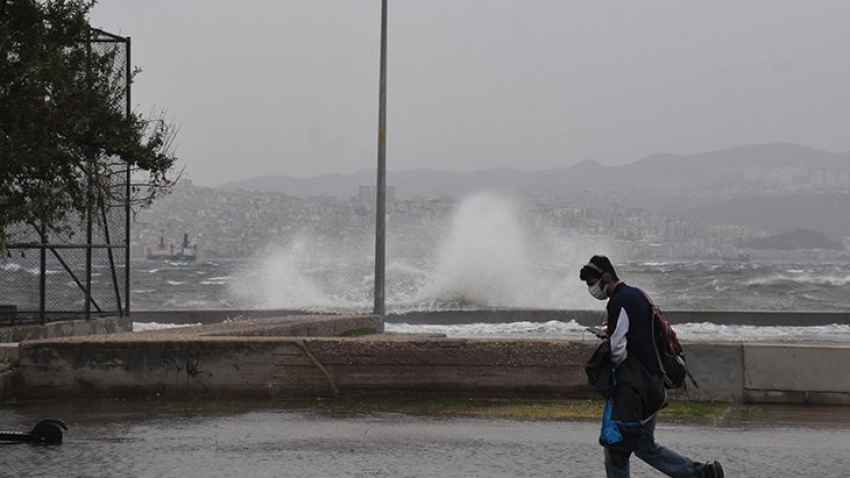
[(66, 139)]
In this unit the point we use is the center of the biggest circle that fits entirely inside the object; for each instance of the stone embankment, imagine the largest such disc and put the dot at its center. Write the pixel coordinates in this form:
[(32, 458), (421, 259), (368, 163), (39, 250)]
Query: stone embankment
[(316, 355)]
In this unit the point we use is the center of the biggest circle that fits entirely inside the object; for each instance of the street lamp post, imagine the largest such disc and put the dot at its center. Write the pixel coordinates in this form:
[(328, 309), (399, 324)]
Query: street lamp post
[(381, 189)]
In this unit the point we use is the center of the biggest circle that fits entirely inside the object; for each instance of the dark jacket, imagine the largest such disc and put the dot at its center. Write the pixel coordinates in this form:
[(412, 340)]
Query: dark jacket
[(637, 389), (640, 394), (630, 327), (600, 370)]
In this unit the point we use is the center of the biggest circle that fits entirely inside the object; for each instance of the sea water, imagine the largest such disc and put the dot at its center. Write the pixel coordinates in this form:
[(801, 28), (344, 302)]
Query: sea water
[(288, 280), (490, 254)]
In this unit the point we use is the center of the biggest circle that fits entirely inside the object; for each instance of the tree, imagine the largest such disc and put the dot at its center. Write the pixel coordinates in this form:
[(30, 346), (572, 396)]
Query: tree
[(66, 138)]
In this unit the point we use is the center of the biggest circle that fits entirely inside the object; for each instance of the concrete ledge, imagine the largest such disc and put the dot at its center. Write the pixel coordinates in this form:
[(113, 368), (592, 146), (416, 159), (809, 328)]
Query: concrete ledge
[(173, 368), (456, 365), (246, 358), (267, 367), (718, 370), (94, 326), (292, 326), (6, 375), (208, 316), (796, 367), (8, 352), (310, 356), (808, 398)]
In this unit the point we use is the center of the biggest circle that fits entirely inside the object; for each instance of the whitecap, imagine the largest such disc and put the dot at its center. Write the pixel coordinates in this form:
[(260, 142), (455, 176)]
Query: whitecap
[(144, 326), (691, 332)]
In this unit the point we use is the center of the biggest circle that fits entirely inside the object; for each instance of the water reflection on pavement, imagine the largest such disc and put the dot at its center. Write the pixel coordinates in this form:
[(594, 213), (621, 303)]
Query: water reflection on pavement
[(155, 440)]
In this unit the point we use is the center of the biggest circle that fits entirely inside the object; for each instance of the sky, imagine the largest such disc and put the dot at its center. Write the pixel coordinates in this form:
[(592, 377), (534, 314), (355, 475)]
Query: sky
[(290, 87)]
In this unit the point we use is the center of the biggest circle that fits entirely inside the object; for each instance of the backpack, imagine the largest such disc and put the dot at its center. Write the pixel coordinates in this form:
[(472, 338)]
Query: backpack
[(671, 358)]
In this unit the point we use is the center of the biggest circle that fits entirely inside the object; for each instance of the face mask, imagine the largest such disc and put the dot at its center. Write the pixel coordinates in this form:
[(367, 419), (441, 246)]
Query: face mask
[(597, 292)]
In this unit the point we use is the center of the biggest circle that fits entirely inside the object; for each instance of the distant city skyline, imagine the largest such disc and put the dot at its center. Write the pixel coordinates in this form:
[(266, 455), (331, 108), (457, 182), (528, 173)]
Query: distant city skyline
[(241, 223), (290, 87)]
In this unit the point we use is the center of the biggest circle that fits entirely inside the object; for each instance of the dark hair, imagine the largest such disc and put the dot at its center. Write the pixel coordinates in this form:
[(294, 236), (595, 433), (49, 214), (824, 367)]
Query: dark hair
[(597, 267)]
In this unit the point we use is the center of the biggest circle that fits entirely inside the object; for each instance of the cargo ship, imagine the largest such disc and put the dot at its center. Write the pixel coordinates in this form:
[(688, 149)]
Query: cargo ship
[(170, 252)]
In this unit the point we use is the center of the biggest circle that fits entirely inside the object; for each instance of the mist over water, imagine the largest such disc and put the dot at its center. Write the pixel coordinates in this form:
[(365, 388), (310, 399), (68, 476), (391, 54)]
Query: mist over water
[(287, 278), (491, 253), (483, 260)]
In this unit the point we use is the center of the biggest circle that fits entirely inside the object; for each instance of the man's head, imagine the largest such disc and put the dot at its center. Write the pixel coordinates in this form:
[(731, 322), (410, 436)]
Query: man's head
[(599, 275)]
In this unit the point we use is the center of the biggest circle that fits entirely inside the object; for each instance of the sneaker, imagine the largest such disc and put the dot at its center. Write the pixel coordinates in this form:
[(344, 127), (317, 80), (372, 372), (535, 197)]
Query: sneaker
[(712, 470)]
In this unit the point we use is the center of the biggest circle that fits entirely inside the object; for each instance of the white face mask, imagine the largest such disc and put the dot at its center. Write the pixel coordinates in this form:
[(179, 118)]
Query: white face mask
[(597, 292)]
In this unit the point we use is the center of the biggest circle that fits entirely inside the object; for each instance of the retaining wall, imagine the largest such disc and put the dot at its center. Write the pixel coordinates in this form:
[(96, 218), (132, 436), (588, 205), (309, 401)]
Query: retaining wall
[(266, 358), (267, 367), (67, 328), (5, 382), (287, 355), (797, 373)]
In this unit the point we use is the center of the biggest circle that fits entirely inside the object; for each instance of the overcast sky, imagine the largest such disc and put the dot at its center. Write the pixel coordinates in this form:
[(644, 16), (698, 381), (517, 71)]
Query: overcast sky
[(290, 87)]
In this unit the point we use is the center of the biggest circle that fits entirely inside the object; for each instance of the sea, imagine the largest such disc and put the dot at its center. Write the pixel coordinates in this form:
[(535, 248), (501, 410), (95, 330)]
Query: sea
[(288, 281), (280, 282), (296, 277), (491, 253)]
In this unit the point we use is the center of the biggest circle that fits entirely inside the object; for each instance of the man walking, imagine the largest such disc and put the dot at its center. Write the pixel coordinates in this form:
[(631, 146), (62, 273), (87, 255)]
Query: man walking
[(638, 391)]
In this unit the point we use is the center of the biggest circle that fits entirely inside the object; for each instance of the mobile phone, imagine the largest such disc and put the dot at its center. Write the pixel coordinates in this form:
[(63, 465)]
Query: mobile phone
[(597, 331)]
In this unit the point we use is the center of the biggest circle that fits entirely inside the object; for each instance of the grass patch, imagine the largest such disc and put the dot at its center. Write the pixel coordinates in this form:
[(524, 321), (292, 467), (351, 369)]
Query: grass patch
[(528, 409), (687, 410), (359, 332), (531, 408), (519, 408)]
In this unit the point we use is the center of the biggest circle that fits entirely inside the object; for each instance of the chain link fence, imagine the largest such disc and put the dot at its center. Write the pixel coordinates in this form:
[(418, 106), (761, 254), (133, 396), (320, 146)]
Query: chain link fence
[(84, 272)]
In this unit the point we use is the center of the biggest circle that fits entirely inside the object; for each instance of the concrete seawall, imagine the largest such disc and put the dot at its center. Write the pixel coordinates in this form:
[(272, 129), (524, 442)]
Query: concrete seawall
[(12, 335), (95, 326), (268, 368), (316, 356)]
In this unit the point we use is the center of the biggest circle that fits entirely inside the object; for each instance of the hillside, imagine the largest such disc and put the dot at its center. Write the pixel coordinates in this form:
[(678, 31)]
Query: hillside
[(792, 240), (775, 187), (828, 213)]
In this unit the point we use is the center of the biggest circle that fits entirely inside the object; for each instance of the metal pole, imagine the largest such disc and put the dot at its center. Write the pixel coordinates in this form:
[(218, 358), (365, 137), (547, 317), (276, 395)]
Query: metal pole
[(90, 171), (89, 235), (129, 106), (42, 278), (381, 190)]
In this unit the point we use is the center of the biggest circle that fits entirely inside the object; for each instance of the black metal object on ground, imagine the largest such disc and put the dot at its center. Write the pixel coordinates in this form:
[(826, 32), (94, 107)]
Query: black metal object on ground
[(45, 432)]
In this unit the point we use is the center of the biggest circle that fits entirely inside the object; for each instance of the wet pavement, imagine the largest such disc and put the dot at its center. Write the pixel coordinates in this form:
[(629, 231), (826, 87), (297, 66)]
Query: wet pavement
[(127, 439)]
